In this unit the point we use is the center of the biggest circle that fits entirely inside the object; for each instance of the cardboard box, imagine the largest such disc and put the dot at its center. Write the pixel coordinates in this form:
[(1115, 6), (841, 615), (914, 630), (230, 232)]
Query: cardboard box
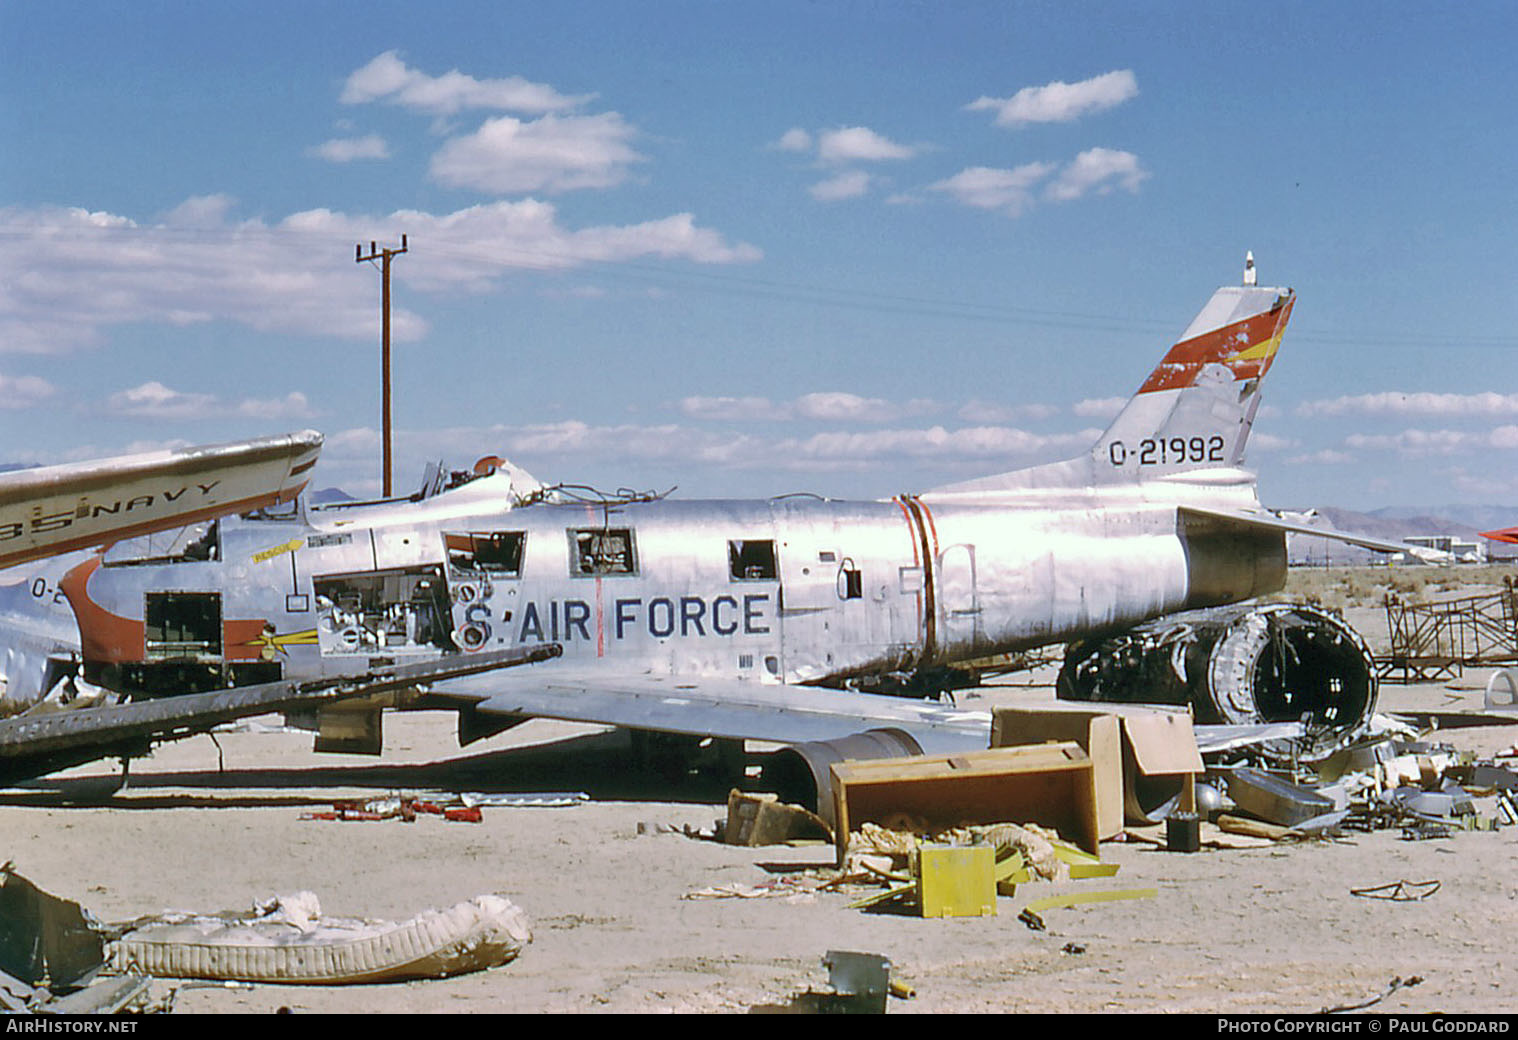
[(1099, 734), (1154, 761), (1048, 784)]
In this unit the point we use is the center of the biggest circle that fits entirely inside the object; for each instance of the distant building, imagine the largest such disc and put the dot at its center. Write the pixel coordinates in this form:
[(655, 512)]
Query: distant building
[(1462, 551)]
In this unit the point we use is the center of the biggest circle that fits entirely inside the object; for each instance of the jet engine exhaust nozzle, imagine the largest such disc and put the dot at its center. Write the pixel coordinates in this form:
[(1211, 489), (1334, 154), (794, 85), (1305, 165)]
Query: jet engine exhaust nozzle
[(1240, 665)]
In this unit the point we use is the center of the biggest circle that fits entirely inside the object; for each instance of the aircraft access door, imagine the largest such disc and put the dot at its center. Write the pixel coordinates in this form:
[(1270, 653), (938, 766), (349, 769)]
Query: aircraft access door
[(961, 627), (843, 610)]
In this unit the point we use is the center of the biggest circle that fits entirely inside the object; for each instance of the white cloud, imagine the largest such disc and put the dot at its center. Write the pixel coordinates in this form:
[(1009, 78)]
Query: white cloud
[(838, 406), (200, 211), (844, 147), (1097, 170), (1060, 102), (820, 406), (1100, 407), (388, 78), (1325, 457), (1399, 403), (850, 184), (839, 450), (729, 408), (978, 411), (1437, 442), (1486, 486), (153, 400), (547, 448), (794, 140), (858, 144), (1271, 442), (985, 187), (507, 156), (348, 149), (24, 391), (70, 273), (293, 405)]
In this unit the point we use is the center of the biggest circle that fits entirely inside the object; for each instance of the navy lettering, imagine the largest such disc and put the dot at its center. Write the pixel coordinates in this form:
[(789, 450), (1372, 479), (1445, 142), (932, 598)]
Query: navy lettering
[(531, 625), (718, 626), (479, 614), (576, 612), (55, 522), (692, 610), (752, 613), (205, 489), (175, 497), (626, 614), (655, 627), (662, 617), (115, 508), (146, 500)]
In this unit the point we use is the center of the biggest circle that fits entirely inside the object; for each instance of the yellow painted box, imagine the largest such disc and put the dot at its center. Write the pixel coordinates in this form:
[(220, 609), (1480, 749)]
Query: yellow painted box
[(957, 881)]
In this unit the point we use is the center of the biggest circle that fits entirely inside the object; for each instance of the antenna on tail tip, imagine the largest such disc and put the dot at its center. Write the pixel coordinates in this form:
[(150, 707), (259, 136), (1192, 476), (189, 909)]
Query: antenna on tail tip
[(1249, 276)]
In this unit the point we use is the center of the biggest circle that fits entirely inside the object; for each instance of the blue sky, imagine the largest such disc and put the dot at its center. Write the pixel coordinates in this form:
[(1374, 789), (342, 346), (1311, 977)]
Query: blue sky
[(853, 248)]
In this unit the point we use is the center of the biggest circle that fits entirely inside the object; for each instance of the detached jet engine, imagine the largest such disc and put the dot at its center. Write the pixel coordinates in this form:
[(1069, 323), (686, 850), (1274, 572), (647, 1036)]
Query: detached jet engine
[(1245, 664)]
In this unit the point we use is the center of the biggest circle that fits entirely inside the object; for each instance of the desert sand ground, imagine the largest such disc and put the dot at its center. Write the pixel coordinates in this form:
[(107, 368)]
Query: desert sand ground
[(1271, 929)]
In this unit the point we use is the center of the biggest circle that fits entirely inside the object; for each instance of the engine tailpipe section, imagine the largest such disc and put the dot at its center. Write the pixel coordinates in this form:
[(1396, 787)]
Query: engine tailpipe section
[(800, 773), (1241, 665)]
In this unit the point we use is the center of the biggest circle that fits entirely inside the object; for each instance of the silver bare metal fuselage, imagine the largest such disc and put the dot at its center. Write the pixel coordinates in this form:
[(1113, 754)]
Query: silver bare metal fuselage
[(795, 589)]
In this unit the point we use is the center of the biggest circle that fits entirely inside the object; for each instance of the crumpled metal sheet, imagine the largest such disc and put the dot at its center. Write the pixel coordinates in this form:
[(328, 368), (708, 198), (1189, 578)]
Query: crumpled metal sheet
[(45, 941)]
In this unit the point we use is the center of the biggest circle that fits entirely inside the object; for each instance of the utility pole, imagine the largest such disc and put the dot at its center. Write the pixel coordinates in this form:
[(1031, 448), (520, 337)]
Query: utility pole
[(383, 255)]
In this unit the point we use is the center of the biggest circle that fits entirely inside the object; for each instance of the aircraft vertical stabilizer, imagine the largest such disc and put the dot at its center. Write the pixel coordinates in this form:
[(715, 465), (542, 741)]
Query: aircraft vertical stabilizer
[(1193, 412)]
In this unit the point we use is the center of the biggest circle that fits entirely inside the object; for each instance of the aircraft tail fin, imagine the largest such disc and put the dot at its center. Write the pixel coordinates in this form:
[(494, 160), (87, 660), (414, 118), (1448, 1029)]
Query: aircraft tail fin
[(1196, 408), (1193, 412)]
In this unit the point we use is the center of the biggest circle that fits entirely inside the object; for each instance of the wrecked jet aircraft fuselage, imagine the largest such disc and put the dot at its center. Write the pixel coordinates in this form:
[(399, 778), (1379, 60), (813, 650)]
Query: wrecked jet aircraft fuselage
[(728, 618)]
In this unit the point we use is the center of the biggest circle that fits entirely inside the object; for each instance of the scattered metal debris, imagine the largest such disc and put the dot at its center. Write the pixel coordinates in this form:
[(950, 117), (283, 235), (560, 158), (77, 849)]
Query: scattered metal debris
[(1431, 641), (1399, 891), (860, 983), (1396, 984), (1032, 920), (463, 807), (53, 957)]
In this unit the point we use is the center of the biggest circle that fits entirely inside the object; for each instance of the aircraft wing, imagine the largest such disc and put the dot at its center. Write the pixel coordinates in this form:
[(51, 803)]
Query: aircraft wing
[(716, 707), (1262, 520), (739, 709), (36, 744), (56, 509)]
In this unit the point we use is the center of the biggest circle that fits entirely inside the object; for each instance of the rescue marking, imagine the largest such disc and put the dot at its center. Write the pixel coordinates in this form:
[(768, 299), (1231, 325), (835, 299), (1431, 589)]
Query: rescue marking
[(278, 550)]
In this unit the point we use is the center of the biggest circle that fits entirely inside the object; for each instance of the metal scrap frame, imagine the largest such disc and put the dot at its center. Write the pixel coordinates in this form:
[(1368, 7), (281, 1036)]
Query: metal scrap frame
[(1432, 641)]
